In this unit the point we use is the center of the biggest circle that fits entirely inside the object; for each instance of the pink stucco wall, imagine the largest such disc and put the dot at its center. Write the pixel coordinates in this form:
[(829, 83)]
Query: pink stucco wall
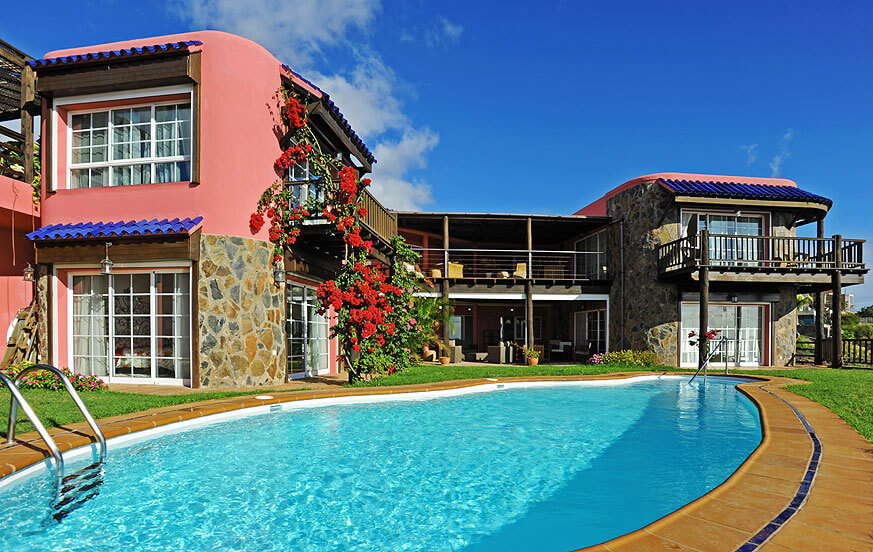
[(598, 207), (239, 118), (18, 216)]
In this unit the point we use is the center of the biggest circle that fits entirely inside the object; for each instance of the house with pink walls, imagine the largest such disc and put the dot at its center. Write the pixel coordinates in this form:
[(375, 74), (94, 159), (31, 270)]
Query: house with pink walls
[(155, 152)]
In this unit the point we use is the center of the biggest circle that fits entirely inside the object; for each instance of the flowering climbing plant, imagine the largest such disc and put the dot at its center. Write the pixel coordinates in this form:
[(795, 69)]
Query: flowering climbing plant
[(372, 304), (693, 338)]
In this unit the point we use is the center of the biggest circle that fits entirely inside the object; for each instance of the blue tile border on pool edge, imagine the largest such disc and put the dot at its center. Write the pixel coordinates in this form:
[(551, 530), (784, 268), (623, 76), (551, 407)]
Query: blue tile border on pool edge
[(802, 493)]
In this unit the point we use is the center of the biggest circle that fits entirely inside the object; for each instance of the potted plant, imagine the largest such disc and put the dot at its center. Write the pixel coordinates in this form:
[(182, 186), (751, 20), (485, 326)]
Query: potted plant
[(431, 313), (532, 355), (444, 360)]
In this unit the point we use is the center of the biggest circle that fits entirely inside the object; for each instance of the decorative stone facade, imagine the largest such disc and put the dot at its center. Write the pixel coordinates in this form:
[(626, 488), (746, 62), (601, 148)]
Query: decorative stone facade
[(651, 308), (241, 314), (650, 320)]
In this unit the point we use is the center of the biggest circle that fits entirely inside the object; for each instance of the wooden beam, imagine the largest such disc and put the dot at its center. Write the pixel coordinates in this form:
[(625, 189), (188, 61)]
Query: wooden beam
[(195, 325), (445, 283), (28, 94), (118, 74), (819, 301), (528, 291), (92, 251), (837, 306), (753, 203), (194, 70), (340, 133)]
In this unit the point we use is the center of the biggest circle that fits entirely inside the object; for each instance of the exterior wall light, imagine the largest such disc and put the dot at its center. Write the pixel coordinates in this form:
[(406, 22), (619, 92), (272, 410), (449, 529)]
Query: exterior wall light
[(278, 274), (106, 263), (29, 273), (734, 299)]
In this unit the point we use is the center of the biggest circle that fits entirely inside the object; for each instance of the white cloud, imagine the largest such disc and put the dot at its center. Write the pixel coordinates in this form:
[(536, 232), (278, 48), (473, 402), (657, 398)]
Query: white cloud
[(293, 30), (751, 154), (367, 94), (396, 159), (784, 153), (444, 31)]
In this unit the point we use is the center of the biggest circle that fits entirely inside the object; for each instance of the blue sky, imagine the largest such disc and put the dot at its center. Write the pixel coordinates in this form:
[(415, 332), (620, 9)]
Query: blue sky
[(542, 107)]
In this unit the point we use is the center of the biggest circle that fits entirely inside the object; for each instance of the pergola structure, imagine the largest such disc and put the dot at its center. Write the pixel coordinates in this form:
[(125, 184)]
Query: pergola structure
[(18, 100)]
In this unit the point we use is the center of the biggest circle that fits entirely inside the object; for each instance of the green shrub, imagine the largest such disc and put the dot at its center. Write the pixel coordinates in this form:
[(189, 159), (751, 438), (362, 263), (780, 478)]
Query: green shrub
[(631, 358), (43, 379), (864, 331)]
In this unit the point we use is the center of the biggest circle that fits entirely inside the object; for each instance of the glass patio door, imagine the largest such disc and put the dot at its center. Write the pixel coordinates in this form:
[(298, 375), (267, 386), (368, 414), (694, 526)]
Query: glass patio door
[(734, 243), (742, 326), (307, 333)]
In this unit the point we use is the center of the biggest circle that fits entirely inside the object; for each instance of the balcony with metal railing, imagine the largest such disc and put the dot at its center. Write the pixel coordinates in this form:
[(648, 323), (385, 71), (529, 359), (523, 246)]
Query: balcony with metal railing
[(520, 264), (763, 257)]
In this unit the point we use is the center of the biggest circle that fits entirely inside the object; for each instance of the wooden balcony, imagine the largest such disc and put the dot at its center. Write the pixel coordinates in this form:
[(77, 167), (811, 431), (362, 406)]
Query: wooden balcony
[(507, 266), (320, 247), (763, 259)]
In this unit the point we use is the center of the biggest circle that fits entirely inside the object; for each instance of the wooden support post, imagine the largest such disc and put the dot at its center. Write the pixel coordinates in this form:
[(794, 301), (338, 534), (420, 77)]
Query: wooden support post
[(28, 94), (445, 283), (703, 274), (819, 300), (528, 289), (837, 305), (528, 314)]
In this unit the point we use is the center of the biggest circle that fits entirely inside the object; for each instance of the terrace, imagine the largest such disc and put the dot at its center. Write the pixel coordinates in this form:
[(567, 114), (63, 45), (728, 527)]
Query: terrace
[(490, 250), (763, 258)]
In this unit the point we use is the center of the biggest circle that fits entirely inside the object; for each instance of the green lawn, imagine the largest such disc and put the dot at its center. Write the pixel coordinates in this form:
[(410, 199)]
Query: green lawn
[(849, 393), (56, 408)]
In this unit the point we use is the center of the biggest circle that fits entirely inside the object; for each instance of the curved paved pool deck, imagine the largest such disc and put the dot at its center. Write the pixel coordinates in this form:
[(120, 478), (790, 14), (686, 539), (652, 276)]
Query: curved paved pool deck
[(790, 494)]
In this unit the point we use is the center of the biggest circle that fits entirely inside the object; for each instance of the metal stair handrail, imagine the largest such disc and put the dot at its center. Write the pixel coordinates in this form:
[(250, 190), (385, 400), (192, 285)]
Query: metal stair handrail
[(31, 415), (708, 358), (18, 398)]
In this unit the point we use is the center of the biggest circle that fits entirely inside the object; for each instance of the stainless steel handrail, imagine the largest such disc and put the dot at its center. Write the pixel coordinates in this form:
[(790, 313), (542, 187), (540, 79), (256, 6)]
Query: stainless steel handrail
[(708, 358), (31, 415), (13, 407)]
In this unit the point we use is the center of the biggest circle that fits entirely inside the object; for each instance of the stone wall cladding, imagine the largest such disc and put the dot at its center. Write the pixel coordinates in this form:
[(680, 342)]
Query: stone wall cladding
[(43, 281), (651, 320), (241, 314), (784, 314)]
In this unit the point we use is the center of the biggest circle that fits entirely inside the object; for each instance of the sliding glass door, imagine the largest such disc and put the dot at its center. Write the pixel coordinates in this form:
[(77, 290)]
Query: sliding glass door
[(733, 237), (742, 326)]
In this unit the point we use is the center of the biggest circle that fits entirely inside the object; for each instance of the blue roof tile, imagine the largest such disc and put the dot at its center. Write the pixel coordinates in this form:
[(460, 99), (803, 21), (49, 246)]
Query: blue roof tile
[(124, 52), (741, 190), (121, 228)]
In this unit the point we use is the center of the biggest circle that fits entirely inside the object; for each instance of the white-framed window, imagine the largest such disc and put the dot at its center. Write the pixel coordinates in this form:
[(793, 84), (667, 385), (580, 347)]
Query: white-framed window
[(132, 325), (304, 181), (129, 145), (306, 333)]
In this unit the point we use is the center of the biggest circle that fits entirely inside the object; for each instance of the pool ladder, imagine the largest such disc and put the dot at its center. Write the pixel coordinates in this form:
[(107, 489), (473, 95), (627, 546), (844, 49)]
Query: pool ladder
[(18, 398), (706, 362), (71, 491)]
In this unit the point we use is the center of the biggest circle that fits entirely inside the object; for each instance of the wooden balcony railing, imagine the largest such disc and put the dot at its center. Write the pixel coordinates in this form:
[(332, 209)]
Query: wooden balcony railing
[(379, 221), (786, 254), (514, 264), (12, 157)]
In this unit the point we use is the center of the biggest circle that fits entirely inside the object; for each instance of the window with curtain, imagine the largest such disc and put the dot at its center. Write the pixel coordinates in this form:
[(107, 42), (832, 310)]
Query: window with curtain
[(130, 145), (132, 325)]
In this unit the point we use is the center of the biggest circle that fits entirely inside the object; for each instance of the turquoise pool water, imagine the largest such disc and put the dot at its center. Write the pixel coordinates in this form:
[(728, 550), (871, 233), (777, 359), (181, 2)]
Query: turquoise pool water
[(535, 468)]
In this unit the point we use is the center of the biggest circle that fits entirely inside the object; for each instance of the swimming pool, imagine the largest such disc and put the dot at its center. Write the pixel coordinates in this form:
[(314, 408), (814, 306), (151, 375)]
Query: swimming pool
[(544, 466)]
